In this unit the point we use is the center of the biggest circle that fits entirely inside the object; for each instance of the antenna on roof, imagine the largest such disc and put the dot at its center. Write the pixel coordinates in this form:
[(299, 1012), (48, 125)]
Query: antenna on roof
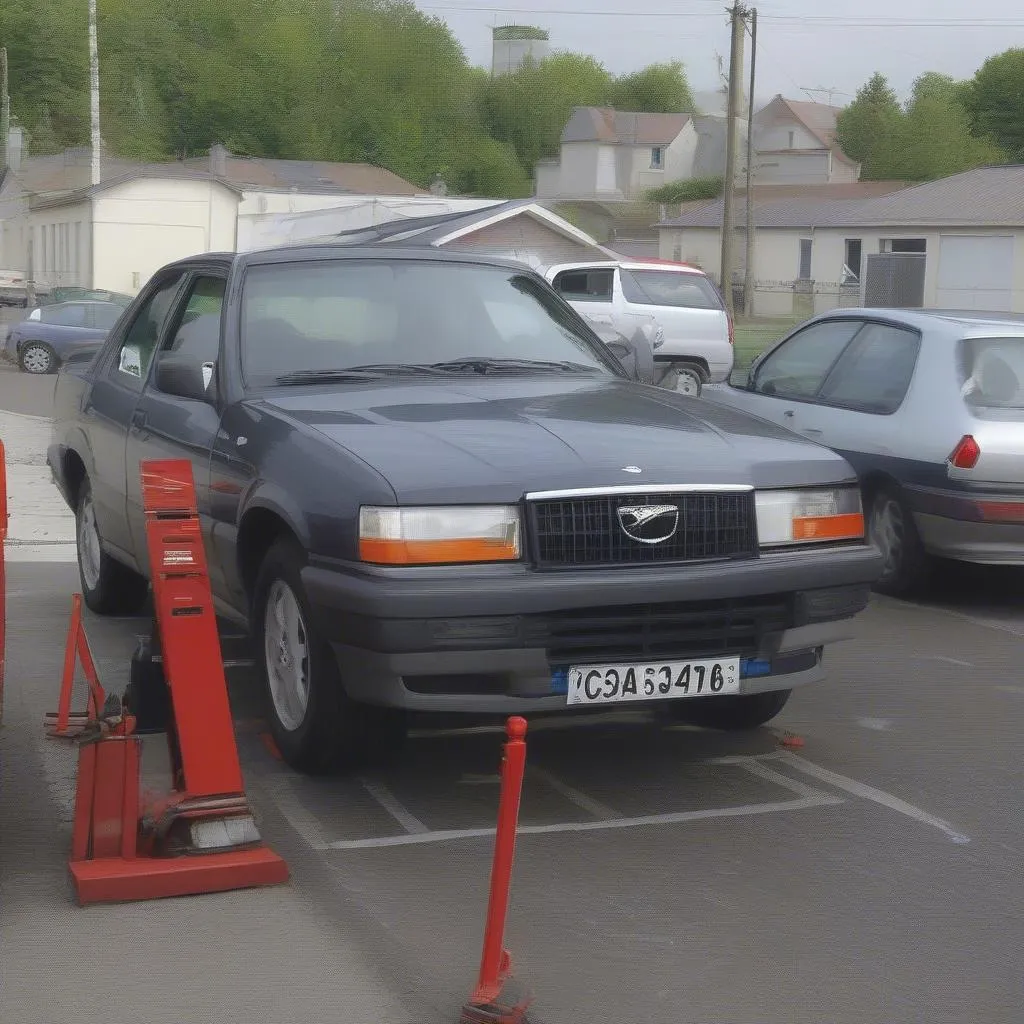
[(823, 90)]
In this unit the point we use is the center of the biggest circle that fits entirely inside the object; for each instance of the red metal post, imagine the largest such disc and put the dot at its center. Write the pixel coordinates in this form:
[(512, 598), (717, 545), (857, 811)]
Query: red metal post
[(3, 573), (495, 961)]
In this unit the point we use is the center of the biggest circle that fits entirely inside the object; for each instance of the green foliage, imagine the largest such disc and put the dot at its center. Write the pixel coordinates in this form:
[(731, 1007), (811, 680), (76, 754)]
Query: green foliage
[(994, 99), (658, 89), (520, 32), (928, 137), (687, 190), (375, 81)]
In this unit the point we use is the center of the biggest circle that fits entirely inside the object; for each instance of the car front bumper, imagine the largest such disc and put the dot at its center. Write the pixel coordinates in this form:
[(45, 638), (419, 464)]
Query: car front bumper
[(499, 639)]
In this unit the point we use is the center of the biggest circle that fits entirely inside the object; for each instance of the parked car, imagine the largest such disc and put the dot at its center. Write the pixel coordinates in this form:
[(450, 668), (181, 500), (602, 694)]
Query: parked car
[(51, 334), (682, 299), (424, 483), (928, 407)]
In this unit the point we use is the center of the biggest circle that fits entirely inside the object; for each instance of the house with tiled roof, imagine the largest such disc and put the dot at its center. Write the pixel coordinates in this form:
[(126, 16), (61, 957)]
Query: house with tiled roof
[(795, 143)]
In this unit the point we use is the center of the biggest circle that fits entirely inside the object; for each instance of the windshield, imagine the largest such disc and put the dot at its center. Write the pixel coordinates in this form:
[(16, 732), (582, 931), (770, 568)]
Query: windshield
[(669, 288), (345, 314), (992, 372)]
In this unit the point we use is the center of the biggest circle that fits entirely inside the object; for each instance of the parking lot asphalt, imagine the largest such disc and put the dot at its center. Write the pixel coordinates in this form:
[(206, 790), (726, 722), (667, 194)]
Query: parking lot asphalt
[(664, 874)]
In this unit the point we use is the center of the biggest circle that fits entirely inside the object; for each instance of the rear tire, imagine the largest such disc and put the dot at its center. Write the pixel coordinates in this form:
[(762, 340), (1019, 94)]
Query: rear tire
[(37, 357), (731, 714), (892, 529), (685, 378), (317, 727), (108, 587)]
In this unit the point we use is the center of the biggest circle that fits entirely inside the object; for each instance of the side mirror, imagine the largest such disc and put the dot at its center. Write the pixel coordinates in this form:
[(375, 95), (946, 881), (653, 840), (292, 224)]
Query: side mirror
[(185, 377), (636, 355)]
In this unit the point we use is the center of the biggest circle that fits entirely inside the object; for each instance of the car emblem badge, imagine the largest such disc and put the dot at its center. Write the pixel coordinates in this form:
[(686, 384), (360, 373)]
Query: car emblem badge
[(631, 469), (649, 524)]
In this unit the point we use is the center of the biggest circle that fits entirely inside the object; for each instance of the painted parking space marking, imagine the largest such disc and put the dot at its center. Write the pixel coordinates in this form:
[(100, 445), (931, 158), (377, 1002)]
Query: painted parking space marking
[(585, 803), (394, 807), (866, 792)]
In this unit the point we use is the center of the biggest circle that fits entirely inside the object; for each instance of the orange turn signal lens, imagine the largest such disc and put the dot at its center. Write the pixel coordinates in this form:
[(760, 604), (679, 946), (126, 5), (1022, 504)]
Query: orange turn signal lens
[(438, 536), (809, 517)]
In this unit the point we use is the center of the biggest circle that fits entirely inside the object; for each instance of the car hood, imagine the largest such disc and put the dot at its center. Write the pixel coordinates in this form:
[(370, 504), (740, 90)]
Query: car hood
[(499, 438)]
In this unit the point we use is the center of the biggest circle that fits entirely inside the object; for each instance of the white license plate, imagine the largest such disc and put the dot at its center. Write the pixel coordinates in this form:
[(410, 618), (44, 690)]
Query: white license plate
[(614, 684)]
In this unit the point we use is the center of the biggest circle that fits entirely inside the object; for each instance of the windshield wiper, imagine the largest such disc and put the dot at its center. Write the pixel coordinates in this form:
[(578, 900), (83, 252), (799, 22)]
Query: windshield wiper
[(484, 364), (370, 371)]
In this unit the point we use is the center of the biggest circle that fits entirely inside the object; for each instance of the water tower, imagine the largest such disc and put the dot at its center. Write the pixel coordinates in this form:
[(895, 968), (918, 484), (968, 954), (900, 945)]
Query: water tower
[(514, 45)]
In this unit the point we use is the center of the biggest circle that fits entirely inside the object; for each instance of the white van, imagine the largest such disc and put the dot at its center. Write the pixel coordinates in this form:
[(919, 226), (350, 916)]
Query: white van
[(683, 301)]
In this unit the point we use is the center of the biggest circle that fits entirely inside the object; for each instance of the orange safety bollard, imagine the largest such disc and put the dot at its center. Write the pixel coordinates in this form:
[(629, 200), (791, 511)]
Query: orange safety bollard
[(489, 1002), (3, 573)]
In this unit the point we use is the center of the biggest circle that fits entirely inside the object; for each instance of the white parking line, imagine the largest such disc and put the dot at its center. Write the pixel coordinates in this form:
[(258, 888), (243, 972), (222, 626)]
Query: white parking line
[(949, 661), (866, 792), (286, 800), (390, 803), (877, 724), (585, 803), (678, 818)]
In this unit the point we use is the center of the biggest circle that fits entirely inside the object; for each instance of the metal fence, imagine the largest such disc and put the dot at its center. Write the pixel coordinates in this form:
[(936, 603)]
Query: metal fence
[(798, 298)]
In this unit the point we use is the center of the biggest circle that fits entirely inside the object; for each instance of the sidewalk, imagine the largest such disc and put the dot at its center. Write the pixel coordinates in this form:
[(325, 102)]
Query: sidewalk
[(41, 528)]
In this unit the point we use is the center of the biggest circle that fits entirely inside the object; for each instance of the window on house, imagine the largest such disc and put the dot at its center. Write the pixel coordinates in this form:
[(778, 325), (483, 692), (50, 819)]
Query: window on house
[(792, 140), (854, 248), (657, 157), (918, 245), (805, 259)]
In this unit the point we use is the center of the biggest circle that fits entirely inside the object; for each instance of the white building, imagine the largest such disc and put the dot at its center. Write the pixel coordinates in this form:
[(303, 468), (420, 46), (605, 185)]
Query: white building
[(953, 243)]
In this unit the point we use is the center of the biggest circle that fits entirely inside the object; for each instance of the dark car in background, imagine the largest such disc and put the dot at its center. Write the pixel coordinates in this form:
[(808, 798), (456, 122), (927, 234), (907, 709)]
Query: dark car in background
[(74, 294), (49, 335)]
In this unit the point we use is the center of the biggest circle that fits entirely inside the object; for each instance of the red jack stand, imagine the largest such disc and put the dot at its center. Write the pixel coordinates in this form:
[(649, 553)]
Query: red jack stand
[(202, 838), (492, 1001), (3, 573)]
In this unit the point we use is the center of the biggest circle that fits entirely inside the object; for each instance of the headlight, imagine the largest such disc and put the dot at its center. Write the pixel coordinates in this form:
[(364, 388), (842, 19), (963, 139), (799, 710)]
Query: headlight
[(809, 516), (435, 536)]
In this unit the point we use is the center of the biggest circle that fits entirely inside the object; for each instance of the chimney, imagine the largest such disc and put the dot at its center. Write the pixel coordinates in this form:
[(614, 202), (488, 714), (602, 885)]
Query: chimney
[(15, 147), (218, 160)]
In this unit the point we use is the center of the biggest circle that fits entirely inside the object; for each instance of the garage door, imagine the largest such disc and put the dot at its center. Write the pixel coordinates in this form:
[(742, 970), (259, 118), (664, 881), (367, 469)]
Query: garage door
[(975, 272)]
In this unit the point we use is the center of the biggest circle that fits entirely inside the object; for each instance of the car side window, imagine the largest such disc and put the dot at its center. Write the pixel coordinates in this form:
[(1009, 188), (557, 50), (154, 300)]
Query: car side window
[(799, 366), (874, 374), (105, 315), (71, 314), (136, 352), (197, 333), (584, 285)]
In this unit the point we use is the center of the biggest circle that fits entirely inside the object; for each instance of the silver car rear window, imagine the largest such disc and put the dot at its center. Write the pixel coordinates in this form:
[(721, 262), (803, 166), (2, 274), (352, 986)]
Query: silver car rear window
[(992, 372), (669, 288)]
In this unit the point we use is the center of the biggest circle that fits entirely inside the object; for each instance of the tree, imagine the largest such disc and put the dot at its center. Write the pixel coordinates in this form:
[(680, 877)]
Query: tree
[(935, 137), (657, 89), (995, 102), (868, 128)]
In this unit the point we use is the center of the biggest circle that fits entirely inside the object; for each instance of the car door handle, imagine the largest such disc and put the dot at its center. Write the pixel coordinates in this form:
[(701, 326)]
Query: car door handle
[(788, 414), (139, 418)]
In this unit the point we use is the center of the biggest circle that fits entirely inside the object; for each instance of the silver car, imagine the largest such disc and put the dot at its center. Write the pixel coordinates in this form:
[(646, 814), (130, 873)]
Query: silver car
[(928, 407), (683, 300)]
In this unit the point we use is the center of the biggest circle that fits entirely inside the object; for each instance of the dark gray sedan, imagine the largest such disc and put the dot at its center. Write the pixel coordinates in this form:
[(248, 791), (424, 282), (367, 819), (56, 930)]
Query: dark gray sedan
[(424, 483), (50, 334)]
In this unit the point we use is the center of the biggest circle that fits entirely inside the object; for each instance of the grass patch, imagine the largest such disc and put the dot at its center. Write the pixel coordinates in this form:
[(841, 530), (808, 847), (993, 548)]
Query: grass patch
[(754, 336)]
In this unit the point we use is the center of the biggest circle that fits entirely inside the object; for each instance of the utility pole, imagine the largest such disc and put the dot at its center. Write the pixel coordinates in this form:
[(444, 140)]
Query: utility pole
[(94, 95), (737, 17), (748, 271), (5, 112)]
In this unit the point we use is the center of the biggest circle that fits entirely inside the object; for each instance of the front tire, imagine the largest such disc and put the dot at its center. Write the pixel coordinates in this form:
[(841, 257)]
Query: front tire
[(316, 726), (108, 587), (733, 713), (38, 358)]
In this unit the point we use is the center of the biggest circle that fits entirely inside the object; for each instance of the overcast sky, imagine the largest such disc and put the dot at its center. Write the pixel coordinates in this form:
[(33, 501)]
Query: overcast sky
[(802, 44)]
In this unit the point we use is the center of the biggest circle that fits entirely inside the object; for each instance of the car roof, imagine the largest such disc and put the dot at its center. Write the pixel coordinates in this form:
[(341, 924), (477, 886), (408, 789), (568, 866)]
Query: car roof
[(648, 264), (972, 321), (338, 251), (81, 302)]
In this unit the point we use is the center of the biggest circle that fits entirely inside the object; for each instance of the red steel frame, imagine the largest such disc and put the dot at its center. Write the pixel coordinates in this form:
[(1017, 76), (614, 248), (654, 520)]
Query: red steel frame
[(113, 856), (3, 573)]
